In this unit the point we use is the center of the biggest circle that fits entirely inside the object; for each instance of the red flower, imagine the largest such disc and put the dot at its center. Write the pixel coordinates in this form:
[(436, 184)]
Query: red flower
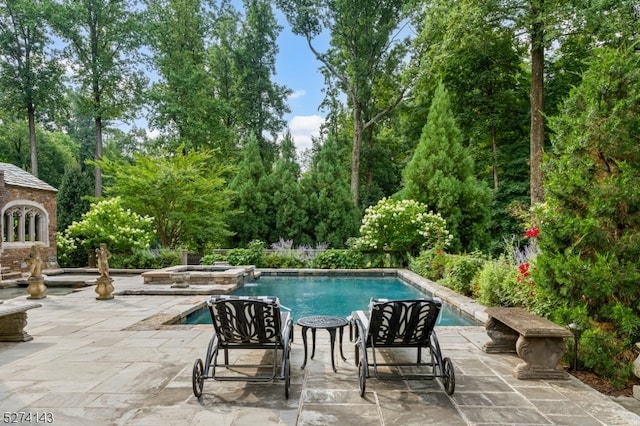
[(524, 268), (533, 232)]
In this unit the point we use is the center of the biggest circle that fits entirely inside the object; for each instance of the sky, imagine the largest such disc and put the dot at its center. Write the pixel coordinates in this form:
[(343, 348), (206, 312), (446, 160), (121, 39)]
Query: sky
[(298, 70)]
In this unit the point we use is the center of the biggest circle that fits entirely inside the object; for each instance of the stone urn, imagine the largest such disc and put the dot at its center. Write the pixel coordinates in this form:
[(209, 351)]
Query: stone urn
[(104, 288), (36, 288)]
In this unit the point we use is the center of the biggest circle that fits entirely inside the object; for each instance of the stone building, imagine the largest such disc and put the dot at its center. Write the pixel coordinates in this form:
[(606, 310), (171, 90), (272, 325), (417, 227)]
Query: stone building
[(28, 215)]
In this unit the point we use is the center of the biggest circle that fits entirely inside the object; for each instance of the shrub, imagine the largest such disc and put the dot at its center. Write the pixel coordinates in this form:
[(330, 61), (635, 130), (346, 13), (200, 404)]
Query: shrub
[(69, 253), (282, 260), (603, 352), (339, 259), (253, 255), (146, 259), (210, 259), (430, 264), (401, 228), (108, 222), (496, 284), (459, 271)]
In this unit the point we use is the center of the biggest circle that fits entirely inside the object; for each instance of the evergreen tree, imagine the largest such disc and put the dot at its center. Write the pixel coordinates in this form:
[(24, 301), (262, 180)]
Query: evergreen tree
[(286, 214), (590, 225), (332, 215), (72, 199), (250, 197), (441, 175)]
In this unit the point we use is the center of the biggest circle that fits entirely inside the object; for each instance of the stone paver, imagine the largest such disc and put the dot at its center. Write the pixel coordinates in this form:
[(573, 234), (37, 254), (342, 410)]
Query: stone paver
[(114, 363)]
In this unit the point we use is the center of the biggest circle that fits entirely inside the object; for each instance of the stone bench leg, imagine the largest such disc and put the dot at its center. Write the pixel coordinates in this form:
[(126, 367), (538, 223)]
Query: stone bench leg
[(540, 356), (503, 338), (12, 328)]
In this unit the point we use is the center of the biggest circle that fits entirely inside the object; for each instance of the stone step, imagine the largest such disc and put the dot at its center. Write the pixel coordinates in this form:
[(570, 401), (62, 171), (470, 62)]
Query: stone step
[(7, 274)]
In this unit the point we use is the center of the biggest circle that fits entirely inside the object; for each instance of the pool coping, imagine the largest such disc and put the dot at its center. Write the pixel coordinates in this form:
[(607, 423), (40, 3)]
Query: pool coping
[(463, 304)]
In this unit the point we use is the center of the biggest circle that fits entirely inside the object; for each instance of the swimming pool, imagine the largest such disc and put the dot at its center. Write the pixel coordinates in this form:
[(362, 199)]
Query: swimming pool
[(333, 295), (7, 293)]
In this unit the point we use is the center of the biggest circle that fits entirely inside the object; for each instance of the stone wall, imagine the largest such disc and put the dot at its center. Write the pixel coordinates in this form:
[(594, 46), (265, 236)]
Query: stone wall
[(15, 257)]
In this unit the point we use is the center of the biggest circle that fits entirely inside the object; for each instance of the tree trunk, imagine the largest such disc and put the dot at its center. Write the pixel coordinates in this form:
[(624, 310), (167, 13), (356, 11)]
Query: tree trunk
[(98, 122), (355, 153), (494, 149), (537, 103), (32, 141)]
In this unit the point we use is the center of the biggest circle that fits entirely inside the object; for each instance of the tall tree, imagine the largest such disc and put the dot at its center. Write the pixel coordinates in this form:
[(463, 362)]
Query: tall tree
[(479, 59), (103, 39), (72, 197), (441, 175), (56, 150), (223, 68), (367, 47), (285, 197), (250, 198), (185, 104), (30, 76), (332, 215), (260, 103), (537, 43)]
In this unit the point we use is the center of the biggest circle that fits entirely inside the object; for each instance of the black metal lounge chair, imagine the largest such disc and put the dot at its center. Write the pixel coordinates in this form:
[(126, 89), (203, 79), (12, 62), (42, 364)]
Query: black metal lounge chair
[(401, 324), (246, 323)]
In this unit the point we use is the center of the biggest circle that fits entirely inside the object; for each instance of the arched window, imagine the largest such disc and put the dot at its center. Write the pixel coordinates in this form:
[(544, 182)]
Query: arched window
[(24, 223)]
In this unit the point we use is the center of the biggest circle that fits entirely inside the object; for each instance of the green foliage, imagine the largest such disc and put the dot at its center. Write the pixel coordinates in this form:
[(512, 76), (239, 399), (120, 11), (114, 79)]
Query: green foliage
[(332, 217), (368, 56), (105, 49), (183, 99), (253, 255), (590, 223), (282, 260), (430, 264), (56, 151), (339, 259), (260, 103), (212, 258), (146, 259), (30, 76), (250, 197), (401, 227), (286, 201), (70, 253), (109, 222), (603, 352), (184, 194), (71, 198), (460, 270), (441, 175), (496, 284)]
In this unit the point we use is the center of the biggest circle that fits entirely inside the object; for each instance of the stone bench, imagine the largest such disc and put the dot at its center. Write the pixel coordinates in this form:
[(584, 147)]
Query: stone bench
[(538, 341), (13, 319)]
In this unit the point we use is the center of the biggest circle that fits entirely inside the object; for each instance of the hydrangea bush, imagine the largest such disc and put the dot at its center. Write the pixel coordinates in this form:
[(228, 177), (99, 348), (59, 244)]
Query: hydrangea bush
[(401, 226), (107, 222)]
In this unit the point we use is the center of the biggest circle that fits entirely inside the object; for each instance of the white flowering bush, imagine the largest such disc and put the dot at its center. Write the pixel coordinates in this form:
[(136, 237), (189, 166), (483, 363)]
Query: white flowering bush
[(108, 222), (401, 226)]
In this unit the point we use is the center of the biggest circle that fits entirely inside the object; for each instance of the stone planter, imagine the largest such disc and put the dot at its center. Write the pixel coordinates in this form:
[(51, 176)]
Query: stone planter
[(104, 288), (36, 288)]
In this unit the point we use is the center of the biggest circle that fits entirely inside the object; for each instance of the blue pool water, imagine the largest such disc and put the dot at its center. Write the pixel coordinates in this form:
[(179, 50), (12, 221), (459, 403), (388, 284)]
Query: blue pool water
[(336, 296)]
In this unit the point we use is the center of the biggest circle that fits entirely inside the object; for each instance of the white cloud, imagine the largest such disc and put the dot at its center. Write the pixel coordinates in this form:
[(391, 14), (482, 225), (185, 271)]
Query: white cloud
[(297, 94), (302, 128)]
